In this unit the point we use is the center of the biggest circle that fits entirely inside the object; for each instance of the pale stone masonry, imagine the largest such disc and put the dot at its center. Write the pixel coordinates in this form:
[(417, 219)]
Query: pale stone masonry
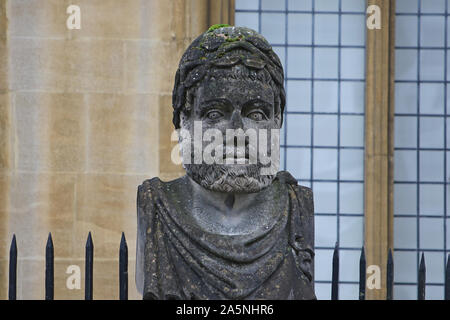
[(85, 117)]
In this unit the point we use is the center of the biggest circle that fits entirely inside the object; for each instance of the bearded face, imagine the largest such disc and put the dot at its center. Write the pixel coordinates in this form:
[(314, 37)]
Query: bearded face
[(240, 106)]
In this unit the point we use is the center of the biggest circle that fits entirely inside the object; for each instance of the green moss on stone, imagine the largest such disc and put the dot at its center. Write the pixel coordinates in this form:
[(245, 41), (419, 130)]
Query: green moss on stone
[(233, 39), (217, 26)]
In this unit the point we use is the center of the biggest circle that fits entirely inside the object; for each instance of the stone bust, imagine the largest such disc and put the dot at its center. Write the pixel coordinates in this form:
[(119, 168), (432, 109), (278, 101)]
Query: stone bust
[(236, 227)]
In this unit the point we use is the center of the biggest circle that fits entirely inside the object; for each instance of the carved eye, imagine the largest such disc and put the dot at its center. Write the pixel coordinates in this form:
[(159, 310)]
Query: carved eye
[(214, 115), (256, 116)]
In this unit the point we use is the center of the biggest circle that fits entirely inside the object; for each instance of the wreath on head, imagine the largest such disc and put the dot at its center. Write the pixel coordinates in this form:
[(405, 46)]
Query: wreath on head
[(224, 46)]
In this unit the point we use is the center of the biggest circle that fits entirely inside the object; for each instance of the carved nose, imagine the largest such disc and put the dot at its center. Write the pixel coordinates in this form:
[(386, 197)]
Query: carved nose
[(236, 120)]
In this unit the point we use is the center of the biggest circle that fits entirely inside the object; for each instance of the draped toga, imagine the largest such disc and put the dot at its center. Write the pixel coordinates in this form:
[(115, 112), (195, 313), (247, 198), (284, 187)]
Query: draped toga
[(177, 259)]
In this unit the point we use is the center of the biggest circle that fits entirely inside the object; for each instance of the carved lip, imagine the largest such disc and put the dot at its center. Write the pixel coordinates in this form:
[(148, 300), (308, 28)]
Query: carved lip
[(236, 155), (230, 160), (236, 158)]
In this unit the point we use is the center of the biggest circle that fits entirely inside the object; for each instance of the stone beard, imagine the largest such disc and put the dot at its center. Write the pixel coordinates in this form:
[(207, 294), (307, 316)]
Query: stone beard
[(226, 178), (223, 177), (226, 231)]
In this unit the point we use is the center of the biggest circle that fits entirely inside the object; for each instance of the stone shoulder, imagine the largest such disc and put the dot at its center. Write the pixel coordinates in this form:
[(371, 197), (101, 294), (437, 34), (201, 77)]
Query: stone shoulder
[(304, 194), (145, 190), (306, 200)]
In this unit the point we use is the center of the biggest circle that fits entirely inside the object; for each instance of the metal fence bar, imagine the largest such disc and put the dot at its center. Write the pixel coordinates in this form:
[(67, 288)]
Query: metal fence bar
[(362, 275), (390, 276), (89, 265), (123, 269), (421, 280), (123, 272), (12, 269), (447, 279), (335, 274), (49, 269)]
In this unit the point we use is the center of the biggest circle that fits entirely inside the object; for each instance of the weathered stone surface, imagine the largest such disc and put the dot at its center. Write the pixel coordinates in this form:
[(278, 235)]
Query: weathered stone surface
[(66, 65), (104, 206), (5, 132), (226, 231), (3, 279), (115, 117)]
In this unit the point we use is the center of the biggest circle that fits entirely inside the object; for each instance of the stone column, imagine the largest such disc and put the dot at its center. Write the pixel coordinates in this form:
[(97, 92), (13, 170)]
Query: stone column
[(85, 116), (379, 144)]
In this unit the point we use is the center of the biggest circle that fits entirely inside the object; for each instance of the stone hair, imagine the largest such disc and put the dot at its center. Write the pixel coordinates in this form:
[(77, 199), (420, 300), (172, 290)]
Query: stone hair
[(227, 52)]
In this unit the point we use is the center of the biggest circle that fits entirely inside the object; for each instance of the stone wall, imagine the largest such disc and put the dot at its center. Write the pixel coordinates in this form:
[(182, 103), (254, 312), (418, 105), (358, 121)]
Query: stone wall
[(85, 117)]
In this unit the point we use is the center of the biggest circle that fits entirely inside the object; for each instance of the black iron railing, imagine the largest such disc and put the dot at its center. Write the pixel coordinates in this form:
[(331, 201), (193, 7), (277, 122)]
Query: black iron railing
[(389, 277), (12, 269), (89, 268), (123, 272), (49, 270)]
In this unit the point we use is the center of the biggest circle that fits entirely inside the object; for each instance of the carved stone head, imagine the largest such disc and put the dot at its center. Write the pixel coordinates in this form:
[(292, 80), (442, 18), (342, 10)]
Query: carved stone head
[(229, 99)]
